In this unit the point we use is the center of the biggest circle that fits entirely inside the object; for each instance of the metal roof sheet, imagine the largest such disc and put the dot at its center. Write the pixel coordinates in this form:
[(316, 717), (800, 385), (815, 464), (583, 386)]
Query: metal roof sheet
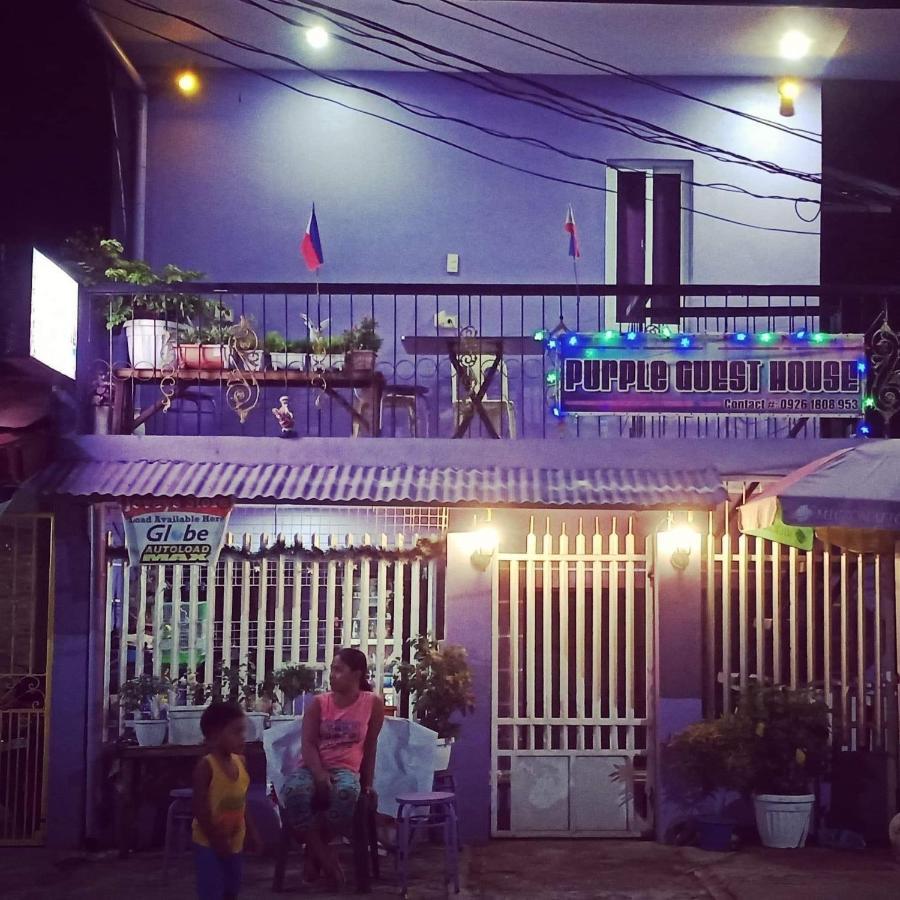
[(612, 487)]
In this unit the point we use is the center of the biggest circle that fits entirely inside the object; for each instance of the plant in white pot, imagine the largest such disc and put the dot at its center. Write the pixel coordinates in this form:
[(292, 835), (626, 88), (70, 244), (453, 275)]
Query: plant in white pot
[(238, 685), (287, 354), (295, 682), (190, 699), (151, 322), (437, 683), (788, 751), (140, 699)]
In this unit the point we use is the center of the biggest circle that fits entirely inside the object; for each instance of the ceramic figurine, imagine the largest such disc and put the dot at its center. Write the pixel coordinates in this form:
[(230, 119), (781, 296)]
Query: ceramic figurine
[(285, 417)]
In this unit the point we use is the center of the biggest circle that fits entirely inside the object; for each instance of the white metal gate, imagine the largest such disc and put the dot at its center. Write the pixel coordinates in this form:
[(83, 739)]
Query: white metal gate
[(270, 606), (572, 639)]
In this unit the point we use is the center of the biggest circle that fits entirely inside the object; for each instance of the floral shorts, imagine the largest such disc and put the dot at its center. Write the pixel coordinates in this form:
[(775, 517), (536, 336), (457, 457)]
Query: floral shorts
[(300, 789)]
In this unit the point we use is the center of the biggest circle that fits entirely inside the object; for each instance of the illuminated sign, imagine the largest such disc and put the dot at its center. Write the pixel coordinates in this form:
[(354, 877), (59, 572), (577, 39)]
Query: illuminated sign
[(54, 315), (739, 374)]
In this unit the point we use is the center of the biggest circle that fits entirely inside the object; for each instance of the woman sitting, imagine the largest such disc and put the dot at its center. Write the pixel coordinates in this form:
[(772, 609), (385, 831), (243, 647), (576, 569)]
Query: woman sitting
[(340, 733)]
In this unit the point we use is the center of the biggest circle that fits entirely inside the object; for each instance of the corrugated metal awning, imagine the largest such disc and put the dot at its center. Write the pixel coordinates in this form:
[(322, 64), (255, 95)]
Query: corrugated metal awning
[(611, 487)]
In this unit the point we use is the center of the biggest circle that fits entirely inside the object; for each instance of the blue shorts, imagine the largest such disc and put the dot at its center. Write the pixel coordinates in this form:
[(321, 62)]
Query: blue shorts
[(217, 876), (300, 788)]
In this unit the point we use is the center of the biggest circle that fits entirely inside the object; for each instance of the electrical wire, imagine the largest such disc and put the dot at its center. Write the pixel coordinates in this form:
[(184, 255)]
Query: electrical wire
[(411, 128), (662, 135), (600, 65), (426, 112)]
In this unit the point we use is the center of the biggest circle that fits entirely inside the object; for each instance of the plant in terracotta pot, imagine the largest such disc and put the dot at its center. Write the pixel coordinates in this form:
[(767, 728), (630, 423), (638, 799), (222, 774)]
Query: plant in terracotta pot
[(788, 750), (362, 344), (205, 347), (294, 682), (141, 698), (437, 683)]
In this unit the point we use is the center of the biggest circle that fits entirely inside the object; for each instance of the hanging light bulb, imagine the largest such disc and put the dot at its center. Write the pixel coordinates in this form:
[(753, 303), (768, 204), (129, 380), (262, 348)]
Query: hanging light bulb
[(788, 91)]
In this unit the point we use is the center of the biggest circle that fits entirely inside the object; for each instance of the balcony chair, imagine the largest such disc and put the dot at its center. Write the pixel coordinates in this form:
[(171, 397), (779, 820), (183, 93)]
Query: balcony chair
[(495, 406)]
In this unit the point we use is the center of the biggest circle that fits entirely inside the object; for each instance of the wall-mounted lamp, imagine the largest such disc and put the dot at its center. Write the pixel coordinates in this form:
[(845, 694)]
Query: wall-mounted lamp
[(484, 545), (678, 542), (788, 91)]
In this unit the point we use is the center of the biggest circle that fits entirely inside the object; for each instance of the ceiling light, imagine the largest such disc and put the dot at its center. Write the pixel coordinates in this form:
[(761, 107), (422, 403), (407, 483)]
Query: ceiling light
[(187, 82), (316, 37), (794, 45)]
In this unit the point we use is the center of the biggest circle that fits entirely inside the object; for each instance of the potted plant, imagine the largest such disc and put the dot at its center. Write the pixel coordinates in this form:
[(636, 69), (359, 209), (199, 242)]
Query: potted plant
[(287, 354), (788, 751), (205, 347), (706, 761), (295, 682), (185, 709), (362, 345), (140, 697), (238, 685), (150, 321), (437, 682)]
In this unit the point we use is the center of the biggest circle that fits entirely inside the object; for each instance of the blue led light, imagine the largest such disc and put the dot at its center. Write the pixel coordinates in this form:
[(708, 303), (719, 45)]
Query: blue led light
[(684, 342), (800, 335), (573, 340), (557, 412), (631, 336), (861, 367), (552, 344), (741, 336), (863, 429)]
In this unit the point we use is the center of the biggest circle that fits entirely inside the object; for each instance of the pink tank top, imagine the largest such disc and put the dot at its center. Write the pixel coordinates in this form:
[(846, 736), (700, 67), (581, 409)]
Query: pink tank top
[(342, 732)]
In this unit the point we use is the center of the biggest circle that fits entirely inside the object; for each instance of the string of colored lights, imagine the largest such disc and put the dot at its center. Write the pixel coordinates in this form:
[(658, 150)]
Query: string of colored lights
[(593, 344), (410, 108)]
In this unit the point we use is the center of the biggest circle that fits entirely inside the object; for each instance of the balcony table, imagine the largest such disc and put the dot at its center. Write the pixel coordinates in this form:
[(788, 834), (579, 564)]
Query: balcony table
[(366, 416), (135, 761), (457, 348)]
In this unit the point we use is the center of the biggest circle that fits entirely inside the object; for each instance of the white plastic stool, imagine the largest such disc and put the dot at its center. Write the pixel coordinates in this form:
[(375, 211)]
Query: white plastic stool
[(178, 824)]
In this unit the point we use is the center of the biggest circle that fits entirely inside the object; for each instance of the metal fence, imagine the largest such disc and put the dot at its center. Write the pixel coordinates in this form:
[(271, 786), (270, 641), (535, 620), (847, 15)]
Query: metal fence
[(404, 312), (826, 617), (266, 605)]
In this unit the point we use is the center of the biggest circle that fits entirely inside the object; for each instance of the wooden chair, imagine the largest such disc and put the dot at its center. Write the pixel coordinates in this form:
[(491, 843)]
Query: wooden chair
[(364, 841)]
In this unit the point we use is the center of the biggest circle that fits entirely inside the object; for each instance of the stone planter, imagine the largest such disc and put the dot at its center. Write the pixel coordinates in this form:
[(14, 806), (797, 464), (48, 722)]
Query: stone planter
[(149, 732), (204, 356), (783, 821), (360, 361), (184, 724), (151, 343)]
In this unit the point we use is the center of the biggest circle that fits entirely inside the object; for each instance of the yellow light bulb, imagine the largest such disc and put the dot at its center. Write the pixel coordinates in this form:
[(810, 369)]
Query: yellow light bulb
[(789, 88), (188, 83), (794, 45)]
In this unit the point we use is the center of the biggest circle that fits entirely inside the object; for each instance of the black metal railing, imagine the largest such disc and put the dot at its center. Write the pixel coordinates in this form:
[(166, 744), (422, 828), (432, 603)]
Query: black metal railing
[(422, 390)]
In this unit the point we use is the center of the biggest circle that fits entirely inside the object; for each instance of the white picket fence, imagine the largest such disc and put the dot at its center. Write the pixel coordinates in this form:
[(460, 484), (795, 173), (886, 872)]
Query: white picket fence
[(826, 618), (270, 607)]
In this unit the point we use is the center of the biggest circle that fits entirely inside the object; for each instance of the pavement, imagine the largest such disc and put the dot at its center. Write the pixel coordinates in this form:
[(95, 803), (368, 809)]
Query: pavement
[(530, 869)]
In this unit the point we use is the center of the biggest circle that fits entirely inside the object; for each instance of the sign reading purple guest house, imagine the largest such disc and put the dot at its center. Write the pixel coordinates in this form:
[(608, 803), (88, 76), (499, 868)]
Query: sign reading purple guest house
[(737, 374)]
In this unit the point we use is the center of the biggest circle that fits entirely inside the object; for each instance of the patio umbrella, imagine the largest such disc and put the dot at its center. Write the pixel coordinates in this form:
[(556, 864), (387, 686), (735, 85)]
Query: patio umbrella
[(850, 498)]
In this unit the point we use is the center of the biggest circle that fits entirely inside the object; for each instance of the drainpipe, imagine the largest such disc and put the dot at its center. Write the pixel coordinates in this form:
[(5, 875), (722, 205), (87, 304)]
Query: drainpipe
[(140, 163)]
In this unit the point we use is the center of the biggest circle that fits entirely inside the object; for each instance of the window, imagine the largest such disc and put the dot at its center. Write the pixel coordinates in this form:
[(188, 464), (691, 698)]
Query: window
[(648, 234)]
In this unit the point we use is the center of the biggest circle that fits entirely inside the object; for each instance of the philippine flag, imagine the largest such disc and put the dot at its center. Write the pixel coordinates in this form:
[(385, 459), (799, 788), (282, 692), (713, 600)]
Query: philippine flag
[(311, 246), (569, 227)]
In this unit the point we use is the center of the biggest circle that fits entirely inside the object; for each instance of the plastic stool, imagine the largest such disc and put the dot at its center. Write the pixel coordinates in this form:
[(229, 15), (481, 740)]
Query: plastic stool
[(434, 810), (178, 824), (406, 396)]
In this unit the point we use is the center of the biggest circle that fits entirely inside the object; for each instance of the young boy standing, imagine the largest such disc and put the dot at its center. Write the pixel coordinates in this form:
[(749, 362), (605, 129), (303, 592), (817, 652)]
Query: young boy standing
[(220, 799)]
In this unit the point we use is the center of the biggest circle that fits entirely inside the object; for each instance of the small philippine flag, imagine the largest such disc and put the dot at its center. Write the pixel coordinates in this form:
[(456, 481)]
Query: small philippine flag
[(311, 246), (569, 227)]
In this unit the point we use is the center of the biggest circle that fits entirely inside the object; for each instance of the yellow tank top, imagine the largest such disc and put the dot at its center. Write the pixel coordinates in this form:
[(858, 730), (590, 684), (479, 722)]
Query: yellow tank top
[(227, 801)]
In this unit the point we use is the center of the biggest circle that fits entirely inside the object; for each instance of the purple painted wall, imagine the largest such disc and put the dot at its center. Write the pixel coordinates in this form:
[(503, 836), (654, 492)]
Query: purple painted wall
[(233, 171)]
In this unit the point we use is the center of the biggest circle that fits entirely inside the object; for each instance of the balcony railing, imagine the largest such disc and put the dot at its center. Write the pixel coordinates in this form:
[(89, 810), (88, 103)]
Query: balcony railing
[(236, 393)]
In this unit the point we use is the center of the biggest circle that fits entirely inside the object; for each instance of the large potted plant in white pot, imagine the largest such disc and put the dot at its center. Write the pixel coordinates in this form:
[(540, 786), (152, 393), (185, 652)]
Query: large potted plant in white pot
[(788, 751), (437, 683), (140, 699)]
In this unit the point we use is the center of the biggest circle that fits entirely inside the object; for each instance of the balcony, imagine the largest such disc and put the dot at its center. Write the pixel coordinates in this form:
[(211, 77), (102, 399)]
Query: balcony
[(438, 347)]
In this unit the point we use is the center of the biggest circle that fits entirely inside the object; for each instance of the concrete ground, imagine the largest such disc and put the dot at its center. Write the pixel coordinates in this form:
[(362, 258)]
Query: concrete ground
[(536, 870)]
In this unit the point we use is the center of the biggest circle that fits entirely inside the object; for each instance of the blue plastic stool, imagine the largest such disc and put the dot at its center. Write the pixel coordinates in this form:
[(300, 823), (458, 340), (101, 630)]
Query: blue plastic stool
[(431, 811)]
